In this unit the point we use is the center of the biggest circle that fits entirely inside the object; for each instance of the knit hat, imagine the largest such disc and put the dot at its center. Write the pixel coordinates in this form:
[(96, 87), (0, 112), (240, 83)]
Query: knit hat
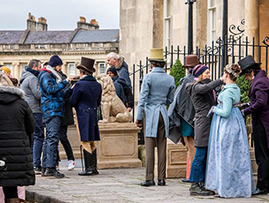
[(55, 61), (113, 70), (6, 70), (198, 70)]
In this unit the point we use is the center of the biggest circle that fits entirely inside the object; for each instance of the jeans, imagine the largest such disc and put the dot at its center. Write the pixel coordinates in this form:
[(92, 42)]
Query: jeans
[(51, 142), (198, 165), (38, 139)]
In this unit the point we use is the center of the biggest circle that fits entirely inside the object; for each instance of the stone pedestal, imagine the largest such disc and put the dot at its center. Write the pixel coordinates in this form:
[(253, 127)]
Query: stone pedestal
[(118, 146), (176, 160)]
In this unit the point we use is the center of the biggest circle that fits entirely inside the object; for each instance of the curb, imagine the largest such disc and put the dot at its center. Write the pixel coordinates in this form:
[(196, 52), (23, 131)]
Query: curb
[(33, 197)]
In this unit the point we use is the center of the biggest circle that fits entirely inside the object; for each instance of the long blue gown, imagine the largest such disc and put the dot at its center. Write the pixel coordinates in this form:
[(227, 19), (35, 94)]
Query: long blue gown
[(228, 164)]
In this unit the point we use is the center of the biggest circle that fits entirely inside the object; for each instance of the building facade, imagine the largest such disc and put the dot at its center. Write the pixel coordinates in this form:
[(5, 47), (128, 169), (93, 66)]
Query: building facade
[(159, 23), (18, 47)]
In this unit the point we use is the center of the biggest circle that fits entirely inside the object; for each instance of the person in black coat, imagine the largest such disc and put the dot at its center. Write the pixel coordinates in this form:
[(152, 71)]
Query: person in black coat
[(123, 91), (86, 97), (16, 136)]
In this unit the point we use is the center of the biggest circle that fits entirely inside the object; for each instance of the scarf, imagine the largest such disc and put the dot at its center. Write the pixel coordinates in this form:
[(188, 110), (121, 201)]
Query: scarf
[(55, 73)]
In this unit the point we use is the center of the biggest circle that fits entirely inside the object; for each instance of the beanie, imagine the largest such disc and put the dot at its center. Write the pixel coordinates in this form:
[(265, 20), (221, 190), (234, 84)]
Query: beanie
[(198, 70), (55, 61), (6, 70), (113, 70)]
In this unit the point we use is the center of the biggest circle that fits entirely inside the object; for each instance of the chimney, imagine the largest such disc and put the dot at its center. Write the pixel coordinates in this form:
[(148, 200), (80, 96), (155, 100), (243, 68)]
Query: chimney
[(83, 25), (42, 24), (95, 23), (31, 23)]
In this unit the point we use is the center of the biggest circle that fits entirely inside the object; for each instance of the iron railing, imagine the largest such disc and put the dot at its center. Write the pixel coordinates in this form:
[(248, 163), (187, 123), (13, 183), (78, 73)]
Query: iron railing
[(237, 45)]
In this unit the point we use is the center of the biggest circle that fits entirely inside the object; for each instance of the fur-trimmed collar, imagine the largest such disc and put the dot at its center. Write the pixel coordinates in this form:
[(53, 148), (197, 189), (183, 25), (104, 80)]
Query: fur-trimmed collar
[(12, 90)]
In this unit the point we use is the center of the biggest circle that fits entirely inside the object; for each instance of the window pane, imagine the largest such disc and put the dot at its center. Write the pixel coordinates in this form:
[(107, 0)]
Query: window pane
[(102, 68), (71, 68)]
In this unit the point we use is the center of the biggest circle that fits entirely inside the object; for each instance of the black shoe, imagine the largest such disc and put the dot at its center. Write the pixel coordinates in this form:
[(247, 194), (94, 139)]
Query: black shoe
[(53, 172), (198, 189), (38, 170), (148, 183), (87, 172), (161, 182), (257, 191), (185, 180)]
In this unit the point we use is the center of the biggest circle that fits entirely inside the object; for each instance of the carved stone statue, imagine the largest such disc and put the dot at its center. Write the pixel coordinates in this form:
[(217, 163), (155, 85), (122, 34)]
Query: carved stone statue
[(113, 109)]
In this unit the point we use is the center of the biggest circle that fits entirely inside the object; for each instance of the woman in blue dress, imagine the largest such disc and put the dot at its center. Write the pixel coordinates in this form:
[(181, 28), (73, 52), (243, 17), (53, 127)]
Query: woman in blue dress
[(228, 163)]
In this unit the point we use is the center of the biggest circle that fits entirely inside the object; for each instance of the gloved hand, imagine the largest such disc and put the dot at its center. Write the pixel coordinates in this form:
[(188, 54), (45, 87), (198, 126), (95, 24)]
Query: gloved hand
[(243, 113), (210, 112), (244, 105)]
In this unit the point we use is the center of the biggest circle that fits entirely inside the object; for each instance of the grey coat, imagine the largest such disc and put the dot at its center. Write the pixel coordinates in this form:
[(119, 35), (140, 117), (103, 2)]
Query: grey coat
[(203, 99), (181, 108), (30, 85)]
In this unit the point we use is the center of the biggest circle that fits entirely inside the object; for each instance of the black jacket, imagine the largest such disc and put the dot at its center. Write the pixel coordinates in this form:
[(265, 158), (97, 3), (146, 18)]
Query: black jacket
[(17, 125)]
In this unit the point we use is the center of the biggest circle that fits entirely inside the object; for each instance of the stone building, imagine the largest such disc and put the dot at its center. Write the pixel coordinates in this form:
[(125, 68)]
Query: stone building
[(18, 47), (159, 23)]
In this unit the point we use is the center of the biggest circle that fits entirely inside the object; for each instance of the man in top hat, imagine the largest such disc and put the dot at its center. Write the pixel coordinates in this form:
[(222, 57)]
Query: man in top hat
[(53, 91), (86, 98), (259, 109), (156, 93), (181, 111)]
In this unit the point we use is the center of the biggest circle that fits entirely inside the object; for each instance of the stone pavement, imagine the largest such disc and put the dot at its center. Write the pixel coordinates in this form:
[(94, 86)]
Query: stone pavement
[(117, 186)]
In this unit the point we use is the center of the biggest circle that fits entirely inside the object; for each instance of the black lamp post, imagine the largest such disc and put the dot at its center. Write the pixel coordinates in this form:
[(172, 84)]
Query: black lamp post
[(190, 25), (224, 33)]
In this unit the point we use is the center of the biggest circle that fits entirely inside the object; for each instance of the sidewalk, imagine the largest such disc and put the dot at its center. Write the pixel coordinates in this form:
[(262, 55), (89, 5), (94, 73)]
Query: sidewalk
[(116, 186)]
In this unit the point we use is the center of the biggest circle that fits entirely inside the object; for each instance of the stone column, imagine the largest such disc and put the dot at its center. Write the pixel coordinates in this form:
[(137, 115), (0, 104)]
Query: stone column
[(157, 24), (15, 69), (252, 23), (201, 24)]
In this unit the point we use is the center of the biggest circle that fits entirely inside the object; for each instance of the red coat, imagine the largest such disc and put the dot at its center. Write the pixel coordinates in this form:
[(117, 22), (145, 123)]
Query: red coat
[(259, 100)]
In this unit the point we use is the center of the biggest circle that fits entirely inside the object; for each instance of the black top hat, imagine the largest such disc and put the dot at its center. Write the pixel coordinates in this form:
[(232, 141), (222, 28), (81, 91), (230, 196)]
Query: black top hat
[(87, 64), (247, 63)]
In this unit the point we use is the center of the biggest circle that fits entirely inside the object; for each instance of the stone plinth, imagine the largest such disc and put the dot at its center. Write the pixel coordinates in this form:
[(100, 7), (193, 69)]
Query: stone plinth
[(118, 146), (176, 160)]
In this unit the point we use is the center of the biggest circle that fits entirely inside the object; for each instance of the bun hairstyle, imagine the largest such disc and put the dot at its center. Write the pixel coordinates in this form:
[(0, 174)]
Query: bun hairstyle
[(233, 70)]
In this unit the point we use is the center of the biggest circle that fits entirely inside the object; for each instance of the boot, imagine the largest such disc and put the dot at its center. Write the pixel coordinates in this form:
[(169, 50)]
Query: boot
[(12, 200), (198, 189), (94, 166), (88, 159)]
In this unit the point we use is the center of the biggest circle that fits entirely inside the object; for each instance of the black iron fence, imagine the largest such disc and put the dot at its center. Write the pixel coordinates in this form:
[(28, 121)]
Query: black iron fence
[(211, 55)]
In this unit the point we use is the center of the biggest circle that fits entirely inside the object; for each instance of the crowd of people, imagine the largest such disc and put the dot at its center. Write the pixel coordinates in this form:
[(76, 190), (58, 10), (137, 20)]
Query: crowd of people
[(209, 123), (43, 98)]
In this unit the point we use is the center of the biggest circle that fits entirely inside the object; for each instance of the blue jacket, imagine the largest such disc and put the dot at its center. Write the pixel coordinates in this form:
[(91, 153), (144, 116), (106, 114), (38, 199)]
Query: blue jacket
[(156, 93), (86, 97), (52, 94)]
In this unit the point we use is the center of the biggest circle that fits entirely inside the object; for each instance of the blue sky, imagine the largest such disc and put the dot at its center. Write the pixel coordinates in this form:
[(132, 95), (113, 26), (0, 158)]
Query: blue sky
[(60, 14)]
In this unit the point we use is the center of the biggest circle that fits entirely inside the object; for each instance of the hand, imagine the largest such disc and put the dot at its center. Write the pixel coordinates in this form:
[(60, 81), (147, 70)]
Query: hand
[(129, 109), (243, 113), (210, 112), (244, 105), (69, 79), (138, 123)]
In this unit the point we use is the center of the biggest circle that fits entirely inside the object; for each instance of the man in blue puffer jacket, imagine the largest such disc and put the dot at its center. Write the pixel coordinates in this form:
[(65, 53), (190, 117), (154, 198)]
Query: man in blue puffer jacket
[(53, 92)]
